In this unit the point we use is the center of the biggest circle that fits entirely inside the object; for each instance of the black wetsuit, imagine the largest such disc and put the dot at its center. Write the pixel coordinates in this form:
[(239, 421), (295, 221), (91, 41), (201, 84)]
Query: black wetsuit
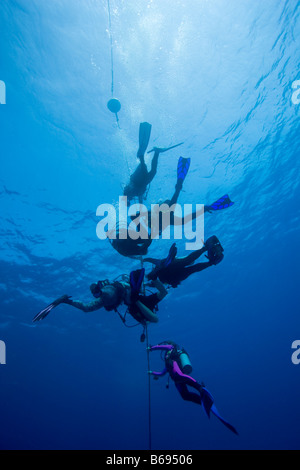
[(141, 178), (179, 269)]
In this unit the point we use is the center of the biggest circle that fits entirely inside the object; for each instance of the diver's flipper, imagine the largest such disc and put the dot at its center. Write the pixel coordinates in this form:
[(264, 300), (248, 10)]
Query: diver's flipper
[(171, 256), (183, 168), (214, 250), (144, 137), (228, 425), (162, 150), (207, 401), (44, 313), (136, 281), (223, 203)]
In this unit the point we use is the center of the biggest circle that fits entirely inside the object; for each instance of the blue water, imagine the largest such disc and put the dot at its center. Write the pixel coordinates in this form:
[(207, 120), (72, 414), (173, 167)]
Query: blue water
[(218, 76)]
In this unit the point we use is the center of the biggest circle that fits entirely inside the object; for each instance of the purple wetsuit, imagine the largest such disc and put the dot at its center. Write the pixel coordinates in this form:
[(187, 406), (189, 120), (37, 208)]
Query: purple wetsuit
[(180, 379)]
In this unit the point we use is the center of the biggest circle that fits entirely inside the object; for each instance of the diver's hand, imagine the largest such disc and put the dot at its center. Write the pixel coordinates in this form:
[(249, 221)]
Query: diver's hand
[(150, 372)]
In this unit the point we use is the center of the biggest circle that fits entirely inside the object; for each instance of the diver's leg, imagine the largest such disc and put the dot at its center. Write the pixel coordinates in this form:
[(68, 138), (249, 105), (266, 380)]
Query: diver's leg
[(175, 196), (182, 380), (154, 164), (180, 263), (192, 257), (189, 270), (187, 395)]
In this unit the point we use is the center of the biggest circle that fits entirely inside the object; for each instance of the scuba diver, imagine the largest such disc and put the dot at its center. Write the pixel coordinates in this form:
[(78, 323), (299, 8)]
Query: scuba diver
[(133, 248), (111, 295), (178, 365), (173, 271), (141, 178)]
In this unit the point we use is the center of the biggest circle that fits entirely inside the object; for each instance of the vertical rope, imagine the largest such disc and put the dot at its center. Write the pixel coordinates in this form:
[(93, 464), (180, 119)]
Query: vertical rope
[(112, 69), (111, 49), (149, 392)]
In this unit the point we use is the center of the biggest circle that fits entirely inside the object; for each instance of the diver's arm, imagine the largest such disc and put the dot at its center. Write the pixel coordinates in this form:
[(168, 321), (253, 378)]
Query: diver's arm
[(161, 347), (158, 374), (162, 291), (90, 307)]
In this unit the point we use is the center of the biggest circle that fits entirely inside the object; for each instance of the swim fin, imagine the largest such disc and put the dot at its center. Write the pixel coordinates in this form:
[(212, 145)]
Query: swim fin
[(45, 312), (228, 425), (214, 250), (207, 401), (144, 137), (136, 281), (223, 203), (171, 256), (183, 168)]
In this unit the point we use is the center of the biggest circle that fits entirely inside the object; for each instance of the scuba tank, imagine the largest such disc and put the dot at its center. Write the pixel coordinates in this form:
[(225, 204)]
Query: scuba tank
[(181, 356), (184, 362)]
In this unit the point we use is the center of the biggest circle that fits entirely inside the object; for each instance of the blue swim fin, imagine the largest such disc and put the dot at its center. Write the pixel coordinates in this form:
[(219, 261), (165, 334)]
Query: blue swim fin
[(207, 401), (136, 281), (144, 137), (183, 168), (223, 203), (228, 425), (171, 256)]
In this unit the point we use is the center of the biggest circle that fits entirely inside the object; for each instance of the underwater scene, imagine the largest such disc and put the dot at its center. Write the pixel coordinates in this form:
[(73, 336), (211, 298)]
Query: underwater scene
[(150, 223)]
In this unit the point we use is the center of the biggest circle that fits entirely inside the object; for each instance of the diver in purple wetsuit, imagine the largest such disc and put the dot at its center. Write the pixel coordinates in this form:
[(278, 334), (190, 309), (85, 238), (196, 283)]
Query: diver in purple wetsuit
[(177, 365)]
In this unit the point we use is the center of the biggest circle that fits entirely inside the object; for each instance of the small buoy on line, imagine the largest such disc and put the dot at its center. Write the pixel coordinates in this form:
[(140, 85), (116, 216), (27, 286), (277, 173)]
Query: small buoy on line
[(114, 105)]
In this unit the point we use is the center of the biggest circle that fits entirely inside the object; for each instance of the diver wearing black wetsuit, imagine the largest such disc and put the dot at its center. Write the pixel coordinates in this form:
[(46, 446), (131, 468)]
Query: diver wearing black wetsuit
[(174, 270)]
